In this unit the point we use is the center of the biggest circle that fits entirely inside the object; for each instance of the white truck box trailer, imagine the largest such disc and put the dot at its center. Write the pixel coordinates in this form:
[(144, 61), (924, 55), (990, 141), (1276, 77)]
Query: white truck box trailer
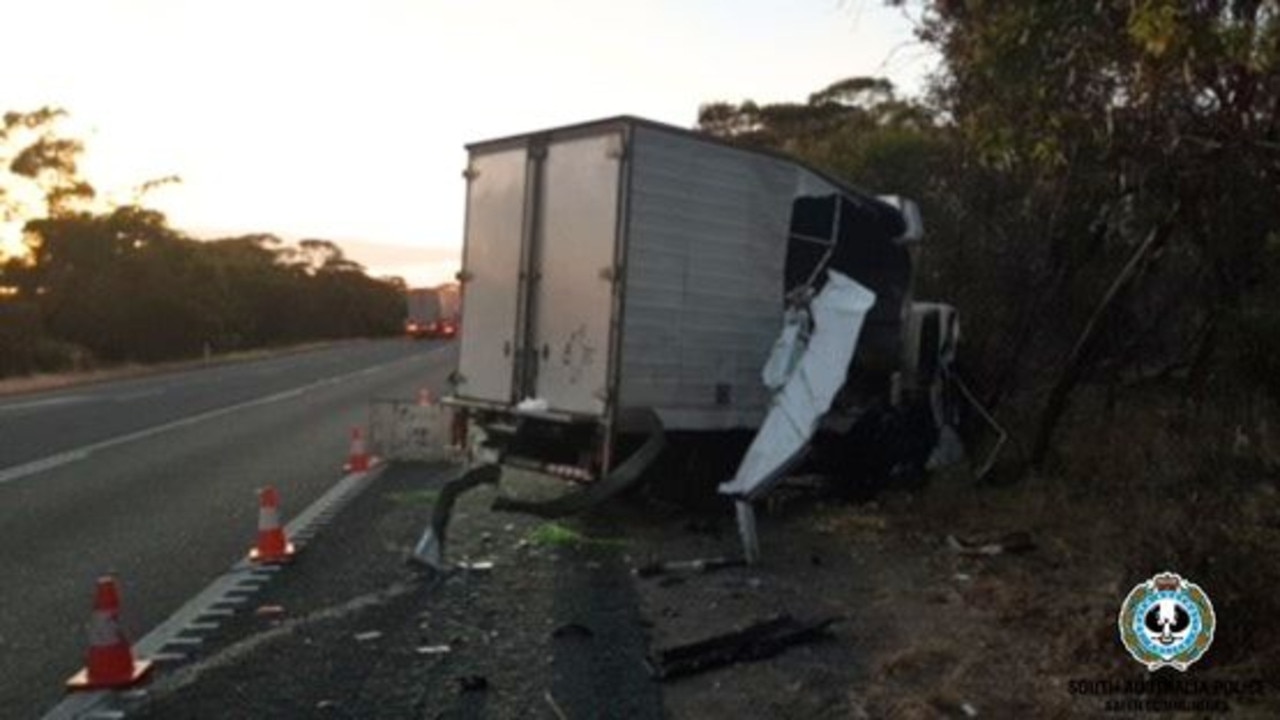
[(624, 265), (625, 278)]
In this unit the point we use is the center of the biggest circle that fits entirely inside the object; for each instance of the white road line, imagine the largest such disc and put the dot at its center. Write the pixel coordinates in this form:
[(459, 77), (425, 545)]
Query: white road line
[(184, 641), (129, 397), (43, 464), (48, 402), (35, 467)]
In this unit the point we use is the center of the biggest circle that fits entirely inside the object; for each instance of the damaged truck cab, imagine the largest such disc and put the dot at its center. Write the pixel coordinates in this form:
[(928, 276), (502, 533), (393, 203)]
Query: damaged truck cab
[(627, 278)]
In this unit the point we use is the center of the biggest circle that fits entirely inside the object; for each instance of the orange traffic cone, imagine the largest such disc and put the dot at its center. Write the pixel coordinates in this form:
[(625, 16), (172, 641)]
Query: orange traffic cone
[(110, 663), (273, 547), (359, 459)]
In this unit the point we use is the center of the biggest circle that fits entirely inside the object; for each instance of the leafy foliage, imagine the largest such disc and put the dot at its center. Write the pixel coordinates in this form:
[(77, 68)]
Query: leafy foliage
[(1100, 180), (1125, 121), (43, 167)]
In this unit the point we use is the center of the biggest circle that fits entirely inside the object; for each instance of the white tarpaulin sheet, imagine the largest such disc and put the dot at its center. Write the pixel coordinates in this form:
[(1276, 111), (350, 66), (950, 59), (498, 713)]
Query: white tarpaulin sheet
[(838, 314)]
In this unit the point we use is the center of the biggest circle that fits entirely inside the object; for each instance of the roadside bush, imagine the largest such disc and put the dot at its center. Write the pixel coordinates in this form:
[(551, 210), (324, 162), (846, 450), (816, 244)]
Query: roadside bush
[(19, 329), (25, 349)]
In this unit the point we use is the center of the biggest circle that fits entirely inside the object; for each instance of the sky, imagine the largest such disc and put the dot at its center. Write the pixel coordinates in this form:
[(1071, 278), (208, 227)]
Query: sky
[(346, 119)]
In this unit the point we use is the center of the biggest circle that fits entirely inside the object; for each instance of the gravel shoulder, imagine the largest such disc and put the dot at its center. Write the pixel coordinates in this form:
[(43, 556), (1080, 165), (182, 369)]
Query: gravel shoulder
[(559, 626), (352, 630)]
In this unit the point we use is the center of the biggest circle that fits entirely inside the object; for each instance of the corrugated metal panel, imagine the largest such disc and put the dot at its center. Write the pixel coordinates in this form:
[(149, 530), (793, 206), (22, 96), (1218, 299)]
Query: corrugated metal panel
[(707, 243)]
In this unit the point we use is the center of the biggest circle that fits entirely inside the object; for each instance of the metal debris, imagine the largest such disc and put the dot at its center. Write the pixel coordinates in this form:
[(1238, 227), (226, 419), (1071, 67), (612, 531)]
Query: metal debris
[(698, 565), (1014, 542), (758, 641), (572, 630), (555, 706), (473, 683), (269, 611)]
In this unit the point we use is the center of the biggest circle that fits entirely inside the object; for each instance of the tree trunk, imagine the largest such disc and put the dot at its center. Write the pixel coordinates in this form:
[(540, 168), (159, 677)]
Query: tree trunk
[(1083, 351)]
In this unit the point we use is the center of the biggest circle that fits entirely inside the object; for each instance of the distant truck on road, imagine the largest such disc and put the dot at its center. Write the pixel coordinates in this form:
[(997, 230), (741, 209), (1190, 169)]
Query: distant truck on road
[(426, 315)]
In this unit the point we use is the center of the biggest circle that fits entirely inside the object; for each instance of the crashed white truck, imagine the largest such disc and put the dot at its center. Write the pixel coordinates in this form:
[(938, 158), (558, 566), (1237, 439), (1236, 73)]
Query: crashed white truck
[(625, 280)]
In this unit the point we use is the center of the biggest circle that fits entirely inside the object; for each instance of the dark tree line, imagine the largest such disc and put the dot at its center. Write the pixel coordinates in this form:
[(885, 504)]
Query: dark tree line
[(109, 285)]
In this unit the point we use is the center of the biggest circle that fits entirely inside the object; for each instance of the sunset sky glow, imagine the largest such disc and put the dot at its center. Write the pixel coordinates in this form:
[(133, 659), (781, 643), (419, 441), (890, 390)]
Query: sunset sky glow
[(345, 120)]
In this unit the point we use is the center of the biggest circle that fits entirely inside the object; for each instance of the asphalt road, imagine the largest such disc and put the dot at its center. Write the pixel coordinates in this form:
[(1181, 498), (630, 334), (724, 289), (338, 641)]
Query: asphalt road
[(154, 479)]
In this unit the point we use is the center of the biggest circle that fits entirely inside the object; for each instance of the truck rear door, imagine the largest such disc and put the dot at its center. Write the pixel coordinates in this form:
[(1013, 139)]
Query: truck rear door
[(571, 298), (491, 274)]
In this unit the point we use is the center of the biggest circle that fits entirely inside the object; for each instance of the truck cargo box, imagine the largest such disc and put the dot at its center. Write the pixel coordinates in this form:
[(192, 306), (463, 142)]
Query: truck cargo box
[(625, 264)]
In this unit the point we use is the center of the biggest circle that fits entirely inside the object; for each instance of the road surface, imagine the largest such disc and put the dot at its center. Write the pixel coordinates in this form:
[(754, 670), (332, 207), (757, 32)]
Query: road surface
[(154, 479)]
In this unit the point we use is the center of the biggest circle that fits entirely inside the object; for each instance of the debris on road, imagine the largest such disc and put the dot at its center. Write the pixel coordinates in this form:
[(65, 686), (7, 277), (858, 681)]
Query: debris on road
[(555, 706), (1014, 542), (698, 565), (473, 683), (269, 611), (573, 630), (757, 641), (433, 649), (368, 636), (429, 550), (478, 566)]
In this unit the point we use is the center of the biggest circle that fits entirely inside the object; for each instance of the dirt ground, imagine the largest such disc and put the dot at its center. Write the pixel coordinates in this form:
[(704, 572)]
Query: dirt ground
[(561, 624), (927, 632)]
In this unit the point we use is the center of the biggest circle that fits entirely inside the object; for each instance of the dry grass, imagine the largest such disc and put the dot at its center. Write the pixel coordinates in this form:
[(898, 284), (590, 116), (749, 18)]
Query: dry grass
[(1141, 488)]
